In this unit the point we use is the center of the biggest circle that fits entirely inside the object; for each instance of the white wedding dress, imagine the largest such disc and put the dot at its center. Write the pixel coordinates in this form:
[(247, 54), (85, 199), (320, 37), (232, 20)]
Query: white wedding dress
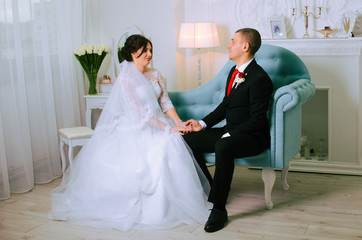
[(133, 173)]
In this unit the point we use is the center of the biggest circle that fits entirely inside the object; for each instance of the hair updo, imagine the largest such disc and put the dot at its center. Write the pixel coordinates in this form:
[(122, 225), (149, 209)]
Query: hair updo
[(133, 44)]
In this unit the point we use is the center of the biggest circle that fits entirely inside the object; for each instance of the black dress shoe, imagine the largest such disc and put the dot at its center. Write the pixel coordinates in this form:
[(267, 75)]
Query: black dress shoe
[(216, 221)]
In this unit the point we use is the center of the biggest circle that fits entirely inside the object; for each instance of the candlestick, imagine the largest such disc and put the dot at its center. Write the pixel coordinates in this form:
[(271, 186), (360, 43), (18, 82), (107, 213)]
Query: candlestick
[(306, 13)]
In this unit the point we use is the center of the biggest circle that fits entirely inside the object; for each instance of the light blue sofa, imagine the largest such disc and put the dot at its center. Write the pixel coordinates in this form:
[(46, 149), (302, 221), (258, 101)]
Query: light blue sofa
[(292, 88)]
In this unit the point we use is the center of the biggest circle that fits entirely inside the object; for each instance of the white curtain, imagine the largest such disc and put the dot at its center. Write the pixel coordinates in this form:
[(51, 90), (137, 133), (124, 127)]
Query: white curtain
[(41, 88)]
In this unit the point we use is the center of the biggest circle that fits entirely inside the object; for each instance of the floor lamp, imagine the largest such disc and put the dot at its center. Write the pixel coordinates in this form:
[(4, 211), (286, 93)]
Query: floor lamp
[(198, 35)]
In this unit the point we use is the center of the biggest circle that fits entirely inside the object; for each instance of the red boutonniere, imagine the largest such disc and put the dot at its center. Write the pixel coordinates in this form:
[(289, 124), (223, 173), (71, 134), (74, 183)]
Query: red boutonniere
[(240, 78)]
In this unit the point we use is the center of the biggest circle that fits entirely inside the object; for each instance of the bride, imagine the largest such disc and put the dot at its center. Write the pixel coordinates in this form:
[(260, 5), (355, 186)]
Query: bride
[(136, 172)]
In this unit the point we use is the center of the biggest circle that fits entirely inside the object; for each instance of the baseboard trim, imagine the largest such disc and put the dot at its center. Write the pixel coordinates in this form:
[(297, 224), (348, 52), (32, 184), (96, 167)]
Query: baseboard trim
[(325, 167)]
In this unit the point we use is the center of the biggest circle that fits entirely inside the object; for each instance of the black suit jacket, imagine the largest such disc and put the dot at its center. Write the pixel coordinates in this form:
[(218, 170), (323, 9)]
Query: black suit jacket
[(246, 107)]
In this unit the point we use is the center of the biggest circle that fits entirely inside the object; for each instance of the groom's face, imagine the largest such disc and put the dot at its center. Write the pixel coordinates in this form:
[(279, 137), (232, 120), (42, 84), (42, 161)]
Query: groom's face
[(237, 47)]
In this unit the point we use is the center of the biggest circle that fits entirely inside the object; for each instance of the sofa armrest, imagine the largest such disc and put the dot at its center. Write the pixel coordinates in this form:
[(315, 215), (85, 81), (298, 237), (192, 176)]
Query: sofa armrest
[(285, 120), (298, 93)]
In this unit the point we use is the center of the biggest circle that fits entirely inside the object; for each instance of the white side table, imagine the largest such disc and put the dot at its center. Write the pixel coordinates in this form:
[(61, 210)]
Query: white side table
[(94, 102)]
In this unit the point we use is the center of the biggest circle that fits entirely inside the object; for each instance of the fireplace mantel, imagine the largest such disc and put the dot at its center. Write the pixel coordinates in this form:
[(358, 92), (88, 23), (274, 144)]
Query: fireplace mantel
[(320, 46)]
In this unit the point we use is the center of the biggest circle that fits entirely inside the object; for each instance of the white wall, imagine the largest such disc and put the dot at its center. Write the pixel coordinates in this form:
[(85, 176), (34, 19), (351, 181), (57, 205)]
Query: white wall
[(156, 19), (212, 59), (160, 21)]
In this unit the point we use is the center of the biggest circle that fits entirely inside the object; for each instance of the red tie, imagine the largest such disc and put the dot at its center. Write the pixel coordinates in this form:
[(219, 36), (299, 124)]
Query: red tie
[(236, 71)]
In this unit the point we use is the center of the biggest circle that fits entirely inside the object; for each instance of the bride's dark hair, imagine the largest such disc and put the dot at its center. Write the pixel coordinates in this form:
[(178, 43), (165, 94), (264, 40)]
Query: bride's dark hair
[(132, 44)]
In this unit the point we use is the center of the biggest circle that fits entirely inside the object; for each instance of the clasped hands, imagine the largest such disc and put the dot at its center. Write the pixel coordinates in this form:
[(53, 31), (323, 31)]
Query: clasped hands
[(187, 127)]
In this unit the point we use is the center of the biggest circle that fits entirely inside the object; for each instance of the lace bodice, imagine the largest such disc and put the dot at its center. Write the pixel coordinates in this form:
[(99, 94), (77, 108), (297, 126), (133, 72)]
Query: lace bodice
[(156, 81)]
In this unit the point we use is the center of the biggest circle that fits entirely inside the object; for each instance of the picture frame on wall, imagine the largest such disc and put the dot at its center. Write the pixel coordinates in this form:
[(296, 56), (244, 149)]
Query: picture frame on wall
[(277, 27)]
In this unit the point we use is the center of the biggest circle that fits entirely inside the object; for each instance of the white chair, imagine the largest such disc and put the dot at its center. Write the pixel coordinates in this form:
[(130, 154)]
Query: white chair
[(75, 136)]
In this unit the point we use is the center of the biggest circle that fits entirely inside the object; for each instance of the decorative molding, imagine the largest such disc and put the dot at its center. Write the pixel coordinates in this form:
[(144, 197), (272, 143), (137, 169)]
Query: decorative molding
[(321, 47), (257, 13)]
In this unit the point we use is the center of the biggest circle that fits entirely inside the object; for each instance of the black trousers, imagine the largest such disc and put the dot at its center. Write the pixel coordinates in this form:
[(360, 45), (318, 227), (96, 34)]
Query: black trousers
[(226, 150)]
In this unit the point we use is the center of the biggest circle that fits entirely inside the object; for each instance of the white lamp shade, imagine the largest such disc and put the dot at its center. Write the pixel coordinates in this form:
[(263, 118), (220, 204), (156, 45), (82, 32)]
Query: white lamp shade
[(198, 35)]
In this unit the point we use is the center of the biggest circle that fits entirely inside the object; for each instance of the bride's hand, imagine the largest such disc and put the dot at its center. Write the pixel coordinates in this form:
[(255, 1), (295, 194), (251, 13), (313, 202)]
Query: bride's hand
[(179, 129), (185, 128)]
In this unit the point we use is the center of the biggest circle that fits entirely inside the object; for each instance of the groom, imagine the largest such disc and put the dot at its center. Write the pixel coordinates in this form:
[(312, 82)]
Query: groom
[(246, 133)]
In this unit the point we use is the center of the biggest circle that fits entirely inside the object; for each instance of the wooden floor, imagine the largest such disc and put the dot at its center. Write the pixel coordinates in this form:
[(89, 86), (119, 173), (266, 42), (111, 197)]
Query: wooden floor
[(317, 206)]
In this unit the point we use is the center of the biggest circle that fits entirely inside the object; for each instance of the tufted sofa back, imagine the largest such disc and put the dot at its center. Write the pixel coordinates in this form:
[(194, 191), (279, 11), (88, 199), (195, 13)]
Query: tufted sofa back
[(196, 103), (282, 65)]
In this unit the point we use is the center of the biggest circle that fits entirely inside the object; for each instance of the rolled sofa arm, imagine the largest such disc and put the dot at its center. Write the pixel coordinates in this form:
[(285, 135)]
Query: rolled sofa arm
[(285, 123), (298, 93)]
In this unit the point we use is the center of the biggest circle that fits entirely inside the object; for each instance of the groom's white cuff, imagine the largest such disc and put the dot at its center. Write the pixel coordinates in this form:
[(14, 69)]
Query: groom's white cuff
[(226, 135), (203, 124)]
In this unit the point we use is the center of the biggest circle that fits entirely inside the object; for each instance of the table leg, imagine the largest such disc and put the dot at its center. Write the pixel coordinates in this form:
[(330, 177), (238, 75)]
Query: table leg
[(88, 117)]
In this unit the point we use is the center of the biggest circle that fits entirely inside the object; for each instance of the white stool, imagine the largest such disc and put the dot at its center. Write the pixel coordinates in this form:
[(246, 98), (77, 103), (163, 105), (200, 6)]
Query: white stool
[(75, 136)]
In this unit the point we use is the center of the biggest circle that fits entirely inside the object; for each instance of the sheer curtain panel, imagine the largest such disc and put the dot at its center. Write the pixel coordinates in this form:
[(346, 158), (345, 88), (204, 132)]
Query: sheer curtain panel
[(40, 88)]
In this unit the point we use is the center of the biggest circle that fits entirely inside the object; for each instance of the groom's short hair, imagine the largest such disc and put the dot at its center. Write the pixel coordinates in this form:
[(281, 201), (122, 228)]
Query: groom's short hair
[(253, 38)]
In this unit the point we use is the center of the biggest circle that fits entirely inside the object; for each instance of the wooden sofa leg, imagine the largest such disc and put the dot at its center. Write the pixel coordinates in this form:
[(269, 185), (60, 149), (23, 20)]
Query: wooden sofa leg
[(284, 177), (268, 176)]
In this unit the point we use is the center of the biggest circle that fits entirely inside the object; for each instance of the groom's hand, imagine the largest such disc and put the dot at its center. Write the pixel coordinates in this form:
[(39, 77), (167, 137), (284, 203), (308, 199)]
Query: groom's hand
[(195, 125)]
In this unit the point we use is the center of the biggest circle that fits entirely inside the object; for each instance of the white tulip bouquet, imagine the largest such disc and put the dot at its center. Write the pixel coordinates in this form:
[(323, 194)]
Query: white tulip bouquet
[(90, 58)]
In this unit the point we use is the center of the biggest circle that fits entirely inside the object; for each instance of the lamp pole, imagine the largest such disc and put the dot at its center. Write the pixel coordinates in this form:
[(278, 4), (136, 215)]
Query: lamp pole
[(198, 35), (199, 67)]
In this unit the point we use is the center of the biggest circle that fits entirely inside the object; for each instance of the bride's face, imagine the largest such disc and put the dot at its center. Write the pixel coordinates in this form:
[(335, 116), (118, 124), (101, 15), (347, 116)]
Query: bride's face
[(142, 59)]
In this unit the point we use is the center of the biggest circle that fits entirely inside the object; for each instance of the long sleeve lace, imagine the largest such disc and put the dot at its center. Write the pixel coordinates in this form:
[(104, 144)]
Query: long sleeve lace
[(163, 98)]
